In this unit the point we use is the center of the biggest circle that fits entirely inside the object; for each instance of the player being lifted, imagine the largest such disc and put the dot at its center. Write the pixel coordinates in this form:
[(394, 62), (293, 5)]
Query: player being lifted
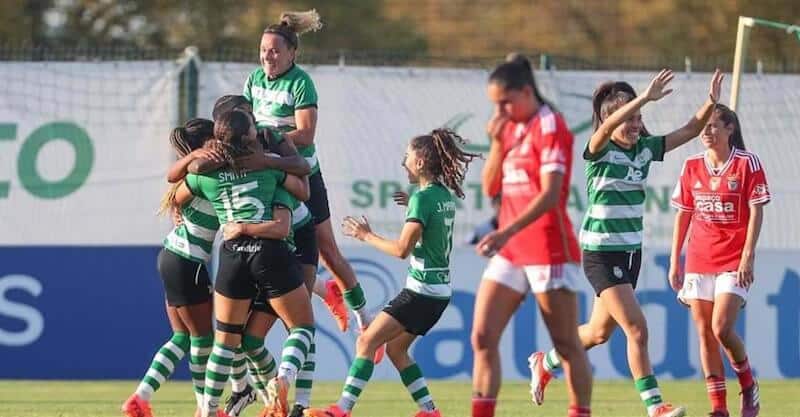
[(437, 164), (721, 194), (618, 157)]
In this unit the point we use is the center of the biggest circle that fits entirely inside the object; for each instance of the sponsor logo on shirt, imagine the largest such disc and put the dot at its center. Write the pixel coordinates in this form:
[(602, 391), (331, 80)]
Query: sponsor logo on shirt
[(618, 272), (717, 207), (698, 185), (635, 175)]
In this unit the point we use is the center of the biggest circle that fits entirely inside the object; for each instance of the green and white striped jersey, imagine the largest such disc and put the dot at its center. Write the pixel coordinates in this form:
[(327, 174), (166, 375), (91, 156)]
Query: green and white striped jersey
[(429, 272), (194, 238), (615, 180), (246, 197), (275, 102)]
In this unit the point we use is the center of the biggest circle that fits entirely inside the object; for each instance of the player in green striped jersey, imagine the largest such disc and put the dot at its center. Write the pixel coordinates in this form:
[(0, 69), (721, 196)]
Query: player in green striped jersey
[(181, 264), (284, 98), (618, 157), (248, 264), (437, 164)]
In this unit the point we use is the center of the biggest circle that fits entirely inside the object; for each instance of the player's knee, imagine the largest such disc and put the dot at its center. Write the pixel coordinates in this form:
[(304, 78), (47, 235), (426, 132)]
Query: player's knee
[(329, 252), (567, 345), (722, 330), (397, 355), (600, 336), (637, 333), (366, 345), (483, 341)]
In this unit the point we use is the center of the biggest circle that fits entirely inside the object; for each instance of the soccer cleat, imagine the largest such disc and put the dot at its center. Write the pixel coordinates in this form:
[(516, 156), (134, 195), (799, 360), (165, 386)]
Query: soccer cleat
[(668, 410), (221, 413), (750, 401), (135, 406), (335, 302), (540, 377), (331, 411), (238, 401), (423, 413), (277, 391), (297, 411)]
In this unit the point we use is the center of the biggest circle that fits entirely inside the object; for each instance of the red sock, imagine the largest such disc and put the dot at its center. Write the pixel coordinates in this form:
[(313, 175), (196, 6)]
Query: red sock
[(744, 373), (715, 385), (577, 411), (483, 407)]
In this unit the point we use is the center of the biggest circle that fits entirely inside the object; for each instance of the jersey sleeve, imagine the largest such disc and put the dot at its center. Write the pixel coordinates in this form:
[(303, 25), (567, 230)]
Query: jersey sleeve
[(657, 145), (305, 93), (682, 198), (246, 91), (417, 210), (588, 156), (555, 147), (193, 183), (757, 188)]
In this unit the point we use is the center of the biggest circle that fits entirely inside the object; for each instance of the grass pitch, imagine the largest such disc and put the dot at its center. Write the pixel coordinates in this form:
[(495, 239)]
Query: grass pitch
[(383, 399)]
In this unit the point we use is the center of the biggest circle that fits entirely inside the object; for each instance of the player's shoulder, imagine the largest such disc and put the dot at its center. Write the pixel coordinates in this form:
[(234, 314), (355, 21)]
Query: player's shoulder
[(551, 122), (693, 163), (747, 159)]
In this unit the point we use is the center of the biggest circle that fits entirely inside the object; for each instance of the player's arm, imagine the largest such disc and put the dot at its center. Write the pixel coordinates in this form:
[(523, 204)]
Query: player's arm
[(696, 124), (745, 272), (290, 160), (306, 120), (491, 176), (655, 91), (400, 248), (278, 228), (545, 201), (298, 187), (180, 168)]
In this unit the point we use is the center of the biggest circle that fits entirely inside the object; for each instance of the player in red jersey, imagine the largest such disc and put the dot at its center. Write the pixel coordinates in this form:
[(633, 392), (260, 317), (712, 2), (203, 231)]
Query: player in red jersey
[(534, 248), (721, 193)]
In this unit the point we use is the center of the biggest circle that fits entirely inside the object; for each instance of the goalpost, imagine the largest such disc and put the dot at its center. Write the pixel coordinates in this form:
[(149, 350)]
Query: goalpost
[(746, 25)]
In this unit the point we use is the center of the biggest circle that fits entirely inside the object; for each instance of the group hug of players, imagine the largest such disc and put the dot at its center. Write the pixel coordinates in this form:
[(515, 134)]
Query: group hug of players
[(252, 173)]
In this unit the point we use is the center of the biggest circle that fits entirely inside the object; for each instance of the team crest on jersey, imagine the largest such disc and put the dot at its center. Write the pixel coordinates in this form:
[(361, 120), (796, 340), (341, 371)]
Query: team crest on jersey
[(733, 182), (714, 183), (618, 272)]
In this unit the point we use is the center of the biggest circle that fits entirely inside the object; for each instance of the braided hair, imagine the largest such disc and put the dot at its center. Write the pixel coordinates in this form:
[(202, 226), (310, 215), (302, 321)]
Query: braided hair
[(444, 160), (230, 130)]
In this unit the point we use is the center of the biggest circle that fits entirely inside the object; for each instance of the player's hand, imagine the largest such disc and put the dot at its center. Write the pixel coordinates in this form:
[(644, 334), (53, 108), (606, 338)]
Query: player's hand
[(357, 228), (232, 230), (492, 243), (213, 155), (715, 89), (401, 198), (744, 275), (658, 86), (675, 276), (496, 124)]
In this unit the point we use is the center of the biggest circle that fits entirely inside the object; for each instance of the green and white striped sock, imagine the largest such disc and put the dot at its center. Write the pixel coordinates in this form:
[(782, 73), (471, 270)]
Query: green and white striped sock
[(305, 378), (163, 365), (551, 361), (198, 358), (262, 364), (295, 350), (217, 372), (415, 383), (649, 393), (354, 298), (358, 376), (239, 371)]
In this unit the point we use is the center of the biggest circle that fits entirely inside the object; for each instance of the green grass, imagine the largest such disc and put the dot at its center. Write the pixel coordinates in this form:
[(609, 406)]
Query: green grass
[(381, 399)]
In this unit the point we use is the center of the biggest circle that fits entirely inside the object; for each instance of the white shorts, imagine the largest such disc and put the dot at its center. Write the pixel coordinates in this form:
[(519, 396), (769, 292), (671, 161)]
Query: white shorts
[(709, 286), (535, 278)]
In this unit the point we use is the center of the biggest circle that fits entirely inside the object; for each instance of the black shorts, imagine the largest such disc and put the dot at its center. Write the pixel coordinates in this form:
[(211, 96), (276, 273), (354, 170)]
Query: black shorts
[(185, 282), (261, 304), (607, 269), (249, 265), (318, 202), (305, 242), (416, 312)]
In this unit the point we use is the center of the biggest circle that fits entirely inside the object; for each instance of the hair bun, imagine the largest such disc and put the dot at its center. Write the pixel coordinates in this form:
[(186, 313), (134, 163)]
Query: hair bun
[(518, 58)]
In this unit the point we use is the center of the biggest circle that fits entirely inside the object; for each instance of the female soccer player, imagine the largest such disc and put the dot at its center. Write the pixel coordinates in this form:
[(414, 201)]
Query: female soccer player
[(283, 97), (618, 159), (249, 263), (721, 194), (438, 165), (182, 266), (534, 248)]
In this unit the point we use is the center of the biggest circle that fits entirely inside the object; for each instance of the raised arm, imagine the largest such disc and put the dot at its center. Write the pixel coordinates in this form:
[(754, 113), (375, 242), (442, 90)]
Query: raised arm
[(696, 124), (400, 248), (655, 91), (180, 168), (491, 177)]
